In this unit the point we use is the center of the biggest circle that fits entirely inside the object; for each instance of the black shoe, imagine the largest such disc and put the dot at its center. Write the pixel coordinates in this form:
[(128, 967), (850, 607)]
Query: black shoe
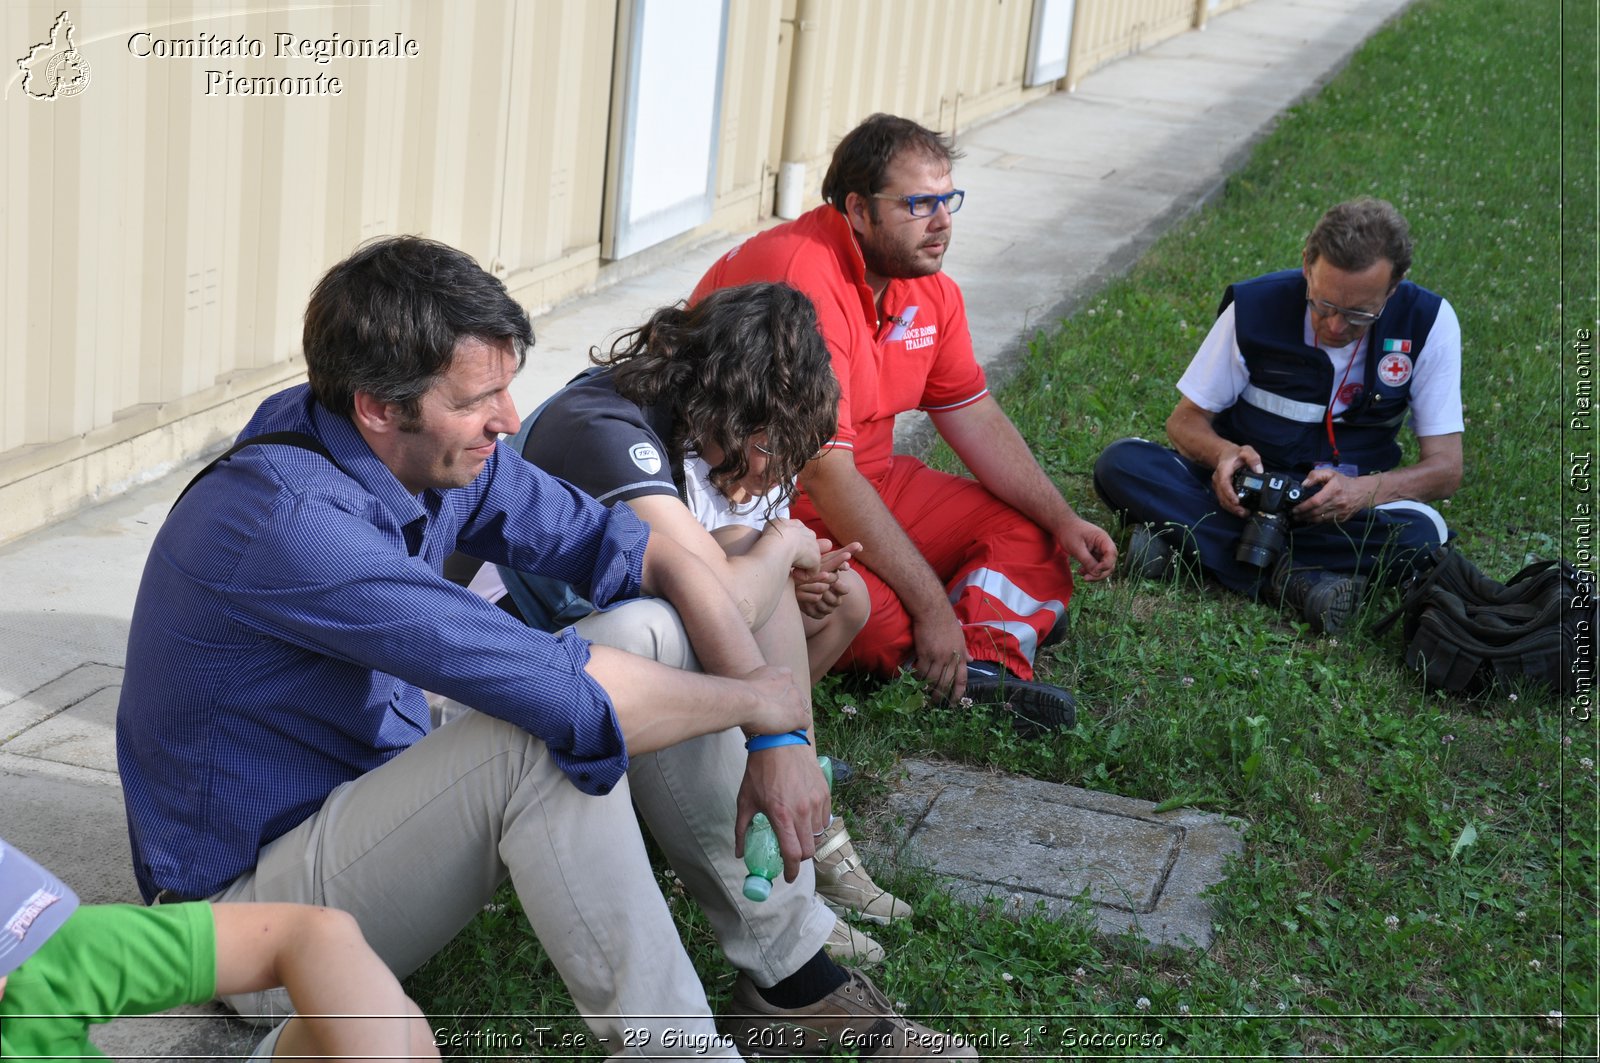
[(1036, 709), (1325, 600), (1149, 555)]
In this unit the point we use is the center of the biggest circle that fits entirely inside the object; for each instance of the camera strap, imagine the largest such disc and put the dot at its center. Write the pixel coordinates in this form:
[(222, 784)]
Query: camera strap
[(1327, 419)]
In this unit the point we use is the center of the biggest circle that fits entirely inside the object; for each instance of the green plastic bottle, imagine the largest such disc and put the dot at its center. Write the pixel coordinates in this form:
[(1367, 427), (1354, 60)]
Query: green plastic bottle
[(761, 856)]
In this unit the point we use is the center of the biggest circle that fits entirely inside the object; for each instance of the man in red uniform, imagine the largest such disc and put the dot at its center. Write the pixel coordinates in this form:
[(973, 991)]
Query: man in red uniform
[(967, 577)]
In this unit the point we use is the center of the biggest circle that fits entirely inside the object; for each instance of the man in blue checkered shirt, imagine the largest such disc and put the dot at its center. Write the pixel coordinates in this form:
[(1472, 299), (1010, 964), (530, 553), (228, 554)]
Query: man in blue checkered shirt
[(273, 736)]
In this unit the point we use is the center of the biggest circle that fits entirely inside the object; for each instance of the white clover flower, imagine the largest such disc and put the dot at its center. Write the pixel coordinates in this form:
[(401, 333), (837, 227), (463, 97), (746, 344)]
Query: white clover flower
[(1585, 763), (848, 710), (965, 703), (1188, 680), (1534, 965), (1143, 1003), (1079, 973), (1183, 1009), (1006, 976), (1391, 923), (1447, 739)]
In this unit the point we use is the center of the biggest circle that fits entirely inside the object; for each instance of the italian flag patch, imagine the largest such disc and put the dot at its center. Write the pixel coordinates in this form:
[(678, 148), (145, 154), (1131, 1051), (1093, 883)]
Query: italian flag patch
[(1400, 346)]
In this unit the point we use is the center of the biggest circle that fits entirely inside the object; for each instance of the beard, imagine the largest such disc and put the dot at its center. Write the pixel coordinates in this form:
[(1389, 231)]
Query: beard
[(886, 257)]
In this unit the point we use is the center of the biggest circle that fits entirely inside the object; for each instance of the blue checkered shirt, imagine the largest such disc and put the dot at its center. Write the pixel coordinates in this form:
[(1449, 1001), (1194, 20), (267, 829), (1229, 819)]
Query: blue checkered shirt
[(291, 613)]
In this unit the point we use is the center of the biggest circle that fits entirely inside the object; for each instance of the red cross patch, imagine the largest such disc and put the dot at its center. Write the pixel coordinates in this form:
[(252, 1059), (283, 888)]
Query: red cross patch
[(1395, 369)]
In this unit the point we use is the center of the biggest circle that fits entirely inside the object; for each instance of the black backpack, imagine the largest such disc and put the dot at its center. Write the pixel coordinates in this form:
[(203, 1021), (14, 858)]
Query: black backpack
[(1464, 631)]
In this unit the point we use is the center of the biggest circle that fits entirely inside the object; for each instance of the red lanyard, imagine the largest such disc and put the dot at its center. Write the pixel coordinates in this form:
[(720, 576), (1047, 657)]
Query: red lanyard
[(1327, 419)]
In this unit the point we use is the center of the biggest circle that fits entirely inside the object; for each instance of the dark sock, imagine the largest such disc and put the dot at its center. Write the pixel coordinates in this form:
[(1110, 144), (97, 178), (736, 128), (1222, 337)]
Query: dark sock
[(815, 979)]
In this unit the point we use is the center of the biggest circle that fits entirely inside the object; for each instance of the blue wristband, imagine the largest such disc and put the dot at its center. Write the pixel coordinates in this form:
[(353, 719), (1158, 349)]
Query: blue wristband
[(796, 737)]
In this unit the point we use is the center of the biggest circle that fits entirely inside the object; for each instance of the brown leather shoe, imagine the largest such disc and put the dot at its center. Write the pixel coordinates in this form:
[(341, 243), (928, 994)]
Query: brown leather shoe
[(856, 1017)]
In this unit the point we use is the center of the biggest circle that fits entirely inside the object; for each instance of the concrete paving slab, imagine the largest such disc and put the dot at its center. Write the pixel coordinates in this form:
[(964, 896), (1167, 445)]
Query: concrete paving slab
[(83, 734), (1074, 851), (57, 696)]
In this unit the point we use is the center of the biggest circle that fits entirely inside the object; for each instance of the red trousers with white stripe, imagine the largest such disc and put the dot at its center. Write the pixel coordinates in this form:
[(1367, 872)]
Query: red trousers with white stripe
[(1007, 579)]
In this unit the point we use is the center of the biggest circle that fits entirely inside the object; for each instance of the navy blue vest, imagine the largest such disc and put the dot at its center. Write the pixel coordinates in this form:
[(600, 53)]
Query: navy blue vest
[(1282, 415)]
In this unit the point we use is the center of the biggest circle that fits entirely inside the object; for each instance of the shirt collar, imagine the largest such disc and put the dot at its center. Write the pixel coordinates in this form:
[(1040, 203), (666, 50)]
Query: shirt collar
[(855, 266), (352, 454)]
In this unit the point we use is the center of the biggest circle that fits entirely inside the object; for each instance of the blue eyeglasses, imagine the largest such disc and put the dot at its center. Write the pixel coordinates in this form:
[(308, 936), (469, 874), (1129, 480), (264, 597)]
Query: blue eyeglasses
[(926, 206)]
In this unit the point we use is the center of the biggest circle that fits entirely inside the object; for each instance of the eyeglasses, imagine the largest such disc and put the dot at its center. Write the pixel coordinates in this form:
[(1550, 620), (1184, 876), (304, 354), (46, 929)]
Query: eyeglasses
[(926, 206), (764, 452), (1353, 318)]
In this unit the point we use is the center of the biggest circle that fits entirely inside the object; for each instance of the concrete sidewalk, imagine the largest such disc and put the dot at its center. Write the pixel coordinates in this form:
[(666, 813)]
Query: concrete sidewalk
[(1062, 194)]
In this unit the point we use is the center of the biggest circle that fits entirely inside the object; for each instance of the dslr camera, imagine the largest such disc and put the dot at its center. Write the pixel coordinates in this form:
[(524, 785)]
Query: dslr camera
[(1271, 495)]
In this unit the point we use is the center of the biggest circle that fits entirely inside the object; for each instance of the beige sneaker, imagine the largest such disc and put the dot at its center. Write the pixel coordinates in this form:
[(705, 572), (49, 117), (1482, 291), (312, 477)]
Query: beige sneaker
[(844, 884), (855, 1017), (846, 944)]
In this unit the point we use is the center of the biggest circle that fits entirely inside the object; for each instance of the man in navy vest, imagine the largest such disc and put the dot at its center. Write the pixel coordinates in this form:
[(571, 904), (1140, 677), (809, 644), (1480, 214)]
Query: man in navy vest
[(1309, 372)]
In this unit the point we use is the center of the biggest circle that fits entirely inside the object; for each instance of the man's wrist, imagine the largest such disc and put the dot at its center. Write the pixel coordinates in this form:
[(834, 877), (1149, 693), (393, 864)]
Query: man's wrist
[(757, 743)]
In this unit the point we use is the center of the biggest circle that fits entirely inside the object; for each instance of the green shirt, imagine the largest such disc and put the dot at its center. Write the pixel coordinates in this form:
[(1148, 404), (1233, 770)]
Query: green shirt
[(106, 961)]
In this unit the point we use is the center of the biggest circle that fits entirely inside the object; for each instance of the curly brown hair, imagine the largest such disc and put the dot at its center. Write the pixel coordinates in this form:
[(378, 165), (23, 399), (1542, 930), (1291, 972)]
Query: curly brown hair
[(740, 361)]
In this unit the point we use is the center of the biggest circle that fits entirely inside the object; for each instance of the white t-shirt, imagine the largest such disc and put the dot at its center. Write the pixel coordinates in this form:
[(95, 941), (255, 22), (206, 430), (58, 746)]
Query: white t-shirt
[(1217, 376), (713, 509)]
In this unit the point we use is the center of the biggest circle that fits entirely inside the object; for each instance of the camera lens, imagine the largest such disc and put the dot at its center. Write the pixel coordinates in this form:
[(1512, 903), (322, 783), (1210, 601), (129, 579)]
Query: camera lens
[(1263, 540)]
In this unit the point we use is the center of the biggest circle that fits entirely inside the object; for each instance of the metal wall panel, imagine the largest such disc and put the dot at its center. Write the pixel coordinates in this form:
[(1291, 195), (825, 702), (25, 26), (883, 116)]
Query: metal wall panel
[(1110, 29), (157, 244), (160, 242)]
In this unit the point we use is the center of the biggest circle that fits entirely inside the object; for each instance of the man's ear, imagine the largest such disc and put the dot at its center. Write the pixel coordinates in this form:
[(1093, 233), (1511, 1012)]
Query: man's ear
[(856, 208), (373, 415)]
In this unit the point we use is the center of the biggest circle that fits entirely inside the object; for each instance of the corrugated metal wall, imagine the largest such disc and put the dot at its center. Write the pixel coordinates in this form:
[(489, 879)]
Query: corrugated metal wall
[(1103, 32), (160, 236)]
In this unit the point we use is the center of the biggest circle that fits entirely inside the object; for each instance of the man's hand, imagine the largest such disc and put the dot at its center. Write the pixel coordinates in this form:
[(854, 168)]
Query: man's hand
[(786, 783), (817, 589), (1222, 477), (780, 705), (941, 653), (1090, 546), (1338, 497)]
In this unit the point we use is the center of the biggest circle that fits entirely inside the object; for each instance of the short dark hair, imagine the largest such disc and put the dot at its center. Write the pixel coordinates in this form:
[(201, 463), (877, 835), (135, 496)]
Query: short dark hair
[(1354, 235), (740, 360), (387, 320), (862, 157)]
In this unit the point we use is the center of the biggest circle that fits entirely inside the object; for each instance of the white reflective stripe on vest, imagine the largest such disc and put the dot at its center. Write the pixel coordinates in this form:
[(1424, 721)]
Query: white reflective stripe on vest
[(1027, 638), (1306, 412)]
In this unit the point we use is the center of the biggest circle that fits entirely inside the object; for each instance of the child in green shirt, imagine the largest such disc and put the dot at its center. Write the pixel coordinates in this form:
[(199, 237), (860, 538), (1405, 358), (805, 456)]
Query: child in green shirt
[(63, 967)]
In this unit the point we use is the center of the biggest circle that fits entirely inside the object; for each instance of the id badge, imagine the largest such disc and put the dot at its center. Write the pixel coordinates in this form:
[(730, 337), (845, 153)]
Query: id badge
[(1345, 469)]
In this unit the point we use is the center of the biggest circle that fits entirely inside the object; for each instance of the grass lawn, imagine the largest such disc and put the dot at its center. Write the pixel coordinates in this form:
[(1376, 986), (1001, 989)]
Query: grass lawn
[(1420, 870)]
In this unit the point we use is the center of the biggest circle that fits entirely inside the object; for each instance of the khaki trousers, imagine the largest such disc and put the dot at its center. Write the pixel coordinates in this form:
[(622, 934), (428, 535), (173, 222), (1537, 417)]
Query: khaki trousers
[(416, 848)]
